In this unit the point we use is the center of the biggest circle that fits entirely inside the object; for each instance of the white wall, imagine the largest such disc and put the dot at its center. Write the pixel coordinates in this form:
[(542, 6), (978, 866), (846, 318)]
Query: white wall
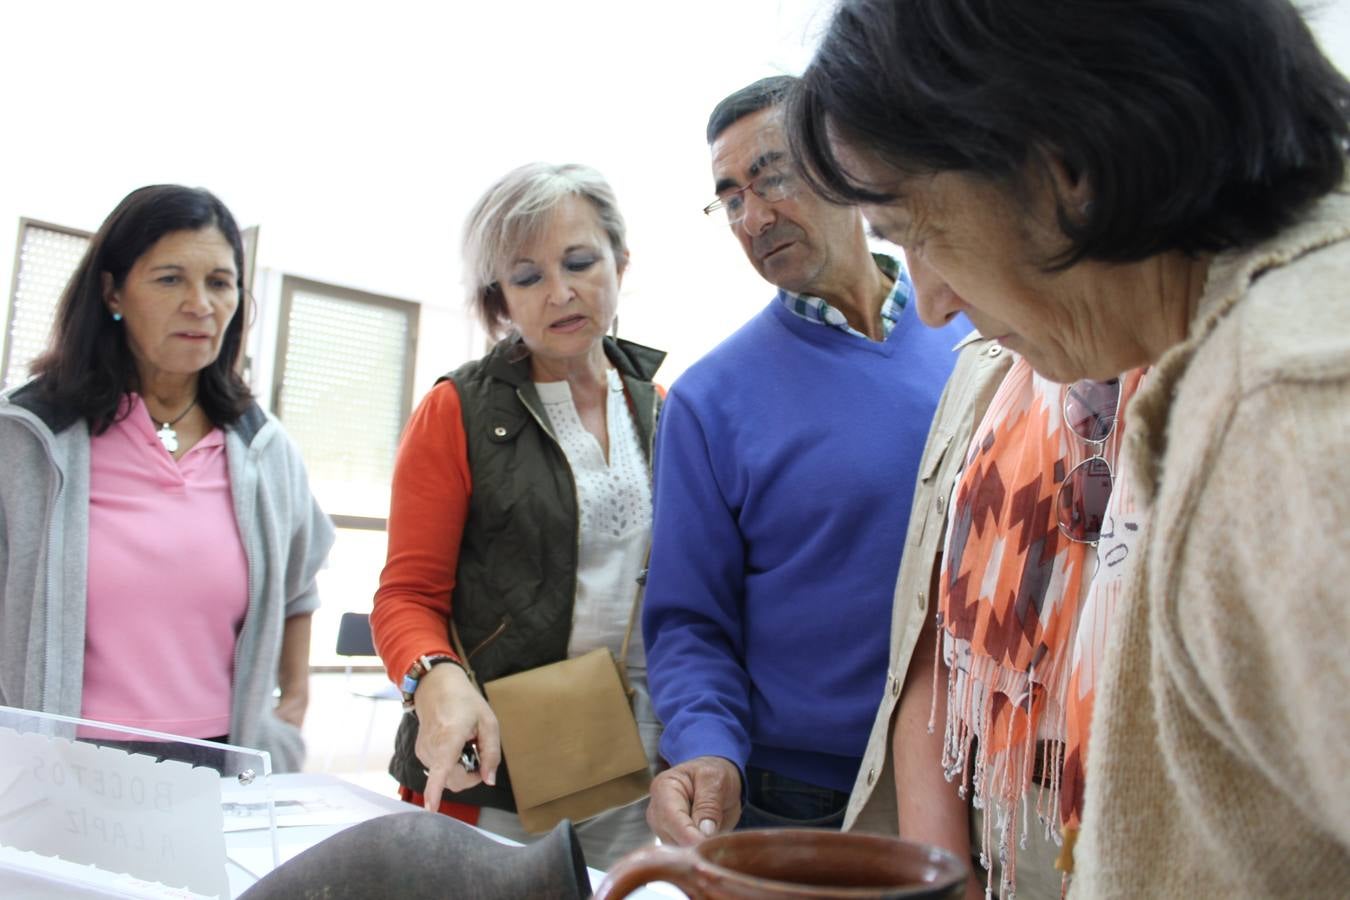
[(358, 139), (1330, 20)]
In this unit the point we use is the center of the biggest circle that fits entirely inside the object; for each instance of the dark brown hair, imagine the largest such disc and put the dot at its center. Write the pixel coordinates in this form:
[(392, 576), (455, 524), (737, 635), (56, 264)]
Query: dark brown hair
[(88, 365), (1198, 126)]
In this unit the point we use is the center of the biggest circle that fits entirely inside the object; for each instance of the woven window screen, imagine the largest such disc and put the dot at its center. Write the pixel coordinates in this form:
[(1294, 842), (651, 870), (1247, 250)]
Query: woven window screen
[(344, 391), (46, 258)]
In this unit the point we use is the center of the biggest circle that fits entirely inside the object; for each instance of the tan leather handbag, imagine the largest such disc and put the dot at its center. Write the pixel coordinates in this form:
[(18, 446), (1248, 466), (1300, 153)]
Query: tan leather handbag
[(569, 736)]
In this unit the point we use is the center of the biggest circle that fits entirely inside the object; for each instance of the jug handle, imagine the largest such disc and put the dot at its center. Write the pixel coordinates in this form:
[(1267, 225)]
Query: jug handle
[(660, 863)]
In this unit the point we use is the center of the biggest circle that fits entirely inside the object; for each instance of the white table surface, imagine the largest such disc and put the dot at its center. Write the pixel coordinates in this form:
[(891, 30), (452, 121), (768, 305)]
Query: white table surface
[(248, 851)]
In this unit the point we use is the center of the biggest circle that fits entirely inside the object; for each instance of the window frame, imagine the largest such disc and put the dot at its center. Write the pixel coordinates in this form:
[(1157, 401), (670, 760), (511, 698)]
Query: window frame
[(25, 223), (290, 284)]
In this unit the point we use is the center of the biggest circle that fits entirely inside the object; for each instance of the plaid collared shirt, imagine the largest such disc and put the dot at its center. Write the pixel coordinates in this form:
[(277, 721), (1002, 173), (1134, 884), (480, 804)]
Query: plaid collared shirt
[(815, 309)]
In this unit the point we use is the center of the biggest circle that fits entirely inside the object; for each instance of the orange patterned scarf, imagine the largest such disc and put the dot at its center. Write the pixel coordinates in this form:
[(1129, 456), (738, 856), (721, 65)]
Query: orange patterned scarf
[(1009, 604)]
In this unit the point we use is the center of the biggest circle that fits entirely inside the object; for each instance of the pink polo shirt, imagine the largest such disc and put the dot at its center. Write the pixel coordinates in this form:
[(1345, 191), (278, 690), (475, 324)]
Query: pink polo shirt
[(168, 582)]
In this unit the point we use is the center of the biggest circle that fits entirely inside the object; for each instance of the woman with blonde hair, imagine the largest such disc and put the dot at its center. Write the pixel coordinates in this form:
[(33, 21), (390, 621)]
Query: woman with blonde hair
[(521, 504)]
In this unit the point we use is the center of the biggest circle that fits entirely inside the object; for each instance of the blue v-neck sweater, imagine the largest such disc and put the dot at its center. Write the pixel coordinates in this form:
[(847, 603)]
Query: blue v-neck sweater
[(784, 471)]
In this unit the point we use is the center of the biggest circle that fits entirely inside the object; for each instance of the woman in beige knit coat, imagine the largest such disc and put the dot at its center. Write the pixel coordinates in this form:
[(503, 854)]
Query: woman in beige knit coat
[(1105, 186)]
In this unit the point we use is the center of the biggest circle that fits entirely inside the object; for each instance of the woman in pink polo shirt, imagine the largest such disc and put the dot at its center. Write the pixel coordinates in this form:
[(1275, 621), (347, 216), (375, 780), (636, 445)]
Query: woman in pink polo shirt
[(158, 540)]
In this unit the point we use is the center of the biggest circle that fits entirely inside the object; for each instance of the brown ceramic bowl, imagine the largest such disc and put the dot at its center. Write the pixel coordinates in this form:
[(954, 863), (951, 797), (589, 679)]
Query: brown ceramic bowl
[(797, 863)]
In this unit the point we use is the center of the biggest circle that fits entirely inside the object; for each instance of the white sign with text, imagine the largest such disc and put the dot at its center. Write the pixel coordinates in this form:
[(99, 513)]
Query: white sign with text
[(122, 812)]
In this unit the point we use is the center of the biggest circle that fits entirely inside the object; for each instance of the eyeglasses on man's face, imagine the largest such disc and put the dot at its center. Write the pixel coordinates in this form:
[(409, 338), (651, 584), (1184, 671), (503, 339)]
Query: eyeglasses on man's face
[(772, 185)]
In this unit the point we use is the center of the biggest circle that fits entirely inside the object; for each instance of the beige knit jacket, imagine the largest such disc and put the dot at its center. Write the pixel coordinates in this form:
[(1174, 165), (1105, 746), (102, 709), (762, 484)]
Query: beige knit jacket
[(1219, 762), (980, 367)]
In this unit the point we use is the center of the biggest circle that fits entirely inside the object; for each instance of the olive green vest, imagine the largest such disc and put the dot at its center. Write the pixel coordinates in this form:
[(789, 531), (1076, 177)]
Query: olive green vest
[(516, 579)]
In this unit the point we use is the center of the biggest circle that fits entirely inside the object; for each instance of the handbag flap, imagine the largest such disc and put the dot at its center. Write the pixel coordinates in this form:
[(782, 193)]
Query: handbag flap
[(565, 727)]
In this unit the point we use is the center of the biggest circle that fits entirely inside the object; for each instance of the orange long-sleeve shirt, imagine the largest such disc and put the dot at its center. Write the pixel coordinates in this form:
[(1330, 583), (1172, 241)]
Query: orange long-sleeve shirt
[(429, 504)]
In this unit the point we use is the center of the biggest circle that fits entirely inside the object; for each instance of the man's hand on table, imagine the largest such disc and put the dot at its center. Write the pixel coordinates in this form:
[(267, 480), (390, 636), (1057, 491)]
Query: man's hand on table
[(695, 800)]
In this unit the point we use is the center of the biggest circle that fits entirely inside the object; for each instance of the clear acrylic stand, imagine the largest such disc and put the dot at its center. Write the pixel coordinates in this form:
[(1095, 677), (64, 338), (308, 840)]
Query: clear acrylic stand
[(92, 808)]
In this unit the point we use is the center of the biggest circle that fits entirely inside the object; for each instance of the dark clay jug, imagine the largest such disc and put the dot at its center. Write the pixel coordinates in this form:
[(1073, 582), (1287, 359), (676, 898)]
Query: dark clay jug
[(420, 856)]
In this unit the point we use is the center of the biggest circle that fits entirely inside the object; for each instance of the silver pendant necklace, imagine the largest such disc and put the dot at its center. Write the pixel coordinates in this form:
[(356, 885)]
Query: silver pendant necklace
[(167, 436)]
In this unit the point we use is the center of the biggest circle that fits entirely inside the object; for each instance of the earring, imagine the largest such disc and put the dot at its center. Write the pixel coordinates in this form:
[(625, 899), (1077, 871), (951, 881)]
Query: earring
[(117, 317)]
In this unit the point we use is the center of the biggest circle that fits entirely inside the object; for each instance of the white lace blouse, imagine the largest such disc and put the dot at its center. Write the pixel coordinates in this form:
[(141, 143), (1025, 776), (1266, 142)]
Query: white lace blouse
[(615, 501)]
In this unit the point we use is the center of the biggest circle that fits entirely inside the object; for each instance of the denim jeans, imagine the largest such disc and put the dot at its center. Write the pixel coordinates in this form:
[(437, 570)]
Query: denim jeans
[(777, 801)]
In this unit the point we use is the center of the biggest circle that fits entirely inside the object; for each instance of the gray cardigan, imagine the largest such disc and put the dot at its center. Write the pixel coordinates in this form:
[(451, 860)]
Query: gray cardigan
[(44, 534)]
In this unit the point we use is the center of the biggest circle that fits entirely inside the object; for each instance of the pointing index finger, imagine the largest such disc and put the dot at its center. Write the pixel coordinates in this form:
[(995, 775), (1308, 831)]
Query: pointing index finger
[(431, 795)]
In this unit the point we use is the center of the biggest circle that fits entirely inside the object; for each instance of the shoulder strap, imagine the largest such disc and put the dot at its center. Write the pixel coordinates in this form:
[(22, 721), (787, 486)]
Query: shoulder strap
[(637, 602), (458, 646)]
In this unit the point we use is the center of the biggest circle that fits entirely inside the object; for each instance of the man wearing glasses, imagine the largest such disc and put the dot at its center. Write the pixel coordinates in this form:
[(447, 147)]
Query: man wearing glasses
[(786, 463)]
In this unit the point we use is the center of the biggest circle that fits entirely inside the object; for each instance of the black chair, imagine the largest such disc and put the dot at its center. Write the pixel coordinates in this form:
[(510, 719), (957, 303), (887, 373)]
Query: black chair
[(354, 637), (354, 640)]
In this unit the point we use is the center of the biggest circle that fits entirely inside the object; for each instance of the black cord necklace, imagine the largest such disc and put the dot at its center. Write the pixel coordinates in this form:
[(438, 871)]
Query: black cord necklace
[(167, 436)]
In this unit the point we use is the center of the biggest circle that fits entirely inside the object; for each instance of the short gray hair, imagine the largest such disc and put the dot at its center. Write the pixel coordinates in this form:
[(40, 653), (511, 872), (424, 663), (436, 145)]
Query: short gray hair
[(747, 101), (513, 212)]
